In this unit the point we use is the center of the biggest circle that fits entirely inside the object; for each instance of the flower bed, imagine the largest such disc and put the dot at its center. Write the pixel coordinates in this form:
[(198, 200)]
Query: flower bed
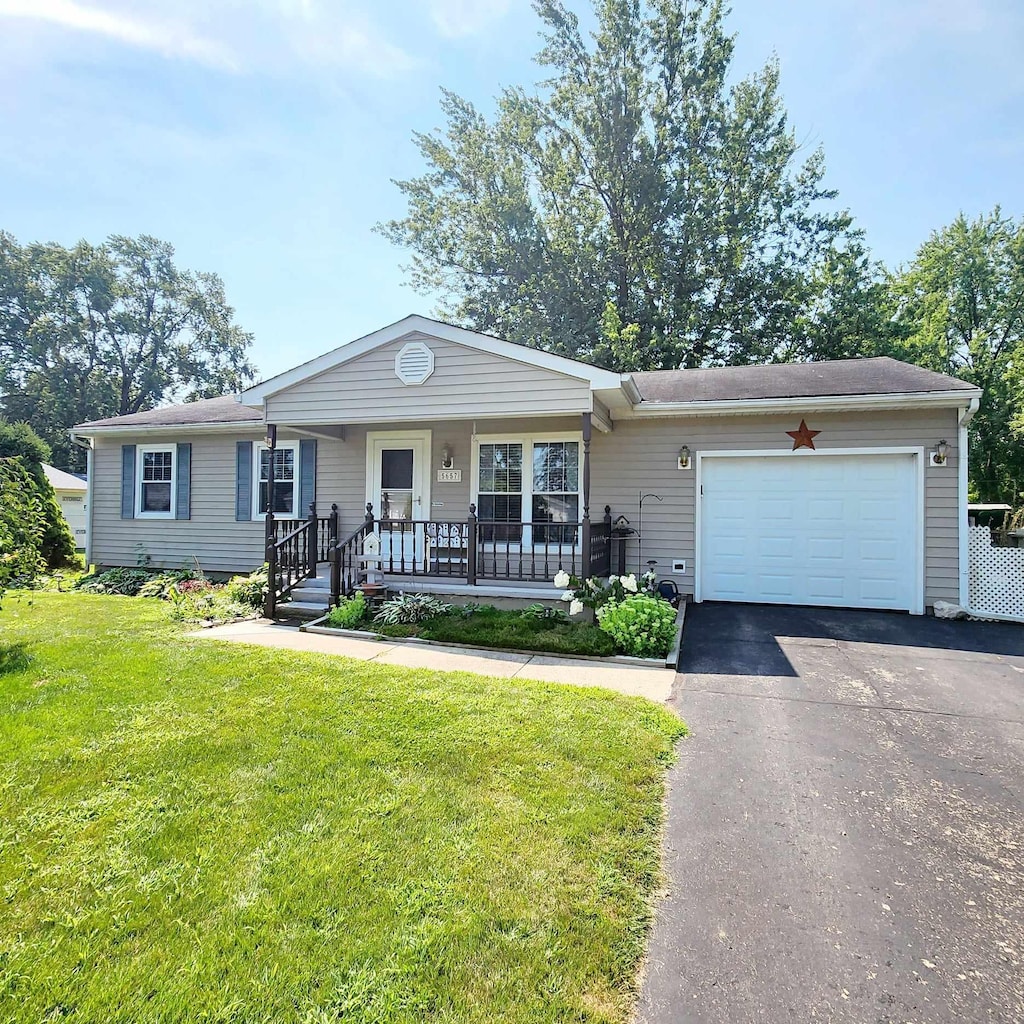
[(630, 621)]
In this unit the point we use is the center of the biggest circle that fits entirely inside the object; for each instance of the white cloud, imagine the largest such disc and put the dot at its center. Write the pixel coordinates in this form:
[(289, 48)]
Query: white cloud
[(166, 38), (455, 18), (259, 35)]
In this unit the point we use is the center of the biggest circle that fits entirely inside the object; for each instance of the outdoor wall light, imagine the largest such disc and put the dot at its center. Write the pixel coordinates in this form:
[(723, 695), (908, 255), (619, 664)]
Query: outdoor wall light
[(271, 436), (940, 453), (684, 457), (447, 457)]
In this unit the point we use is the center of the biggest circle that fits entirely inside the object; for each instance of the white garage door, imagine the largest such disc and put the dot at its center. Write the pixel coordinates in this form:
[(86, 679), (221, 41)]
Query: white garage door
[(837, 530)]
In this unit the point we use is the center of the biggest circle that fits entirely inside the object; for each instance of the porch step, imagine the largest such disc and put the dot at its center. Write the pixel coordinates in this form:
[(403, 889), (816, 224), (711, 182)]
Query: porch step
[(308, 592), (301, 609)]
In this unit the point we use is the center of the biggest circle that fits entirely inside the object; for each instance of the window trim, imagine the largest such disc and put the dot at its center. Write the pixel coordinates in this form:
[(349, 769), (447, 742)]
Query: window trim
[(140, 452), (527, 441), (258, 447)]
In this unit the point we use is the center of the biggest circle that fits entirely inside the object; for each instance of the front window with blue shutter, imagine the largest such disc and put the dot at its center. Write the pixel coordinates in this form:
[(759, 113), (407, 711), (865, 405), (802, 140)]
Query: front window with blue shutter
[(155, 482)]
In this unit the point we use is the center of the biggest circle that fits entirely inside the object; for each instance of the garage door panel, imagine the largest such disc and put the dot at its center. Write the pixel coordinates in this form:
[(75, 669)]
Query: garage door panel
[(828, 530)]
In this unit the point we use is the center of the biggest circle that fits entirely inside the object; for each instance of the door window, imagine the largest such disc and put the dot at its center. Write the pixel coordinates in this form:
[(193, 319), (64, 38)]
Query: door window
[(396, 476)]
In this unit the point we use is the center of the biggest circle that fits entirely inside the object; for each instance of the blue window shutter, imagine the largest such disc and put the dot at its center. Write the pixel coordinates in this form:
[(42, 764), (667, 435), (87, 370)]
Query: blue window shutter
[(307, 476), (183, 490), (127, 481), (243, 481)]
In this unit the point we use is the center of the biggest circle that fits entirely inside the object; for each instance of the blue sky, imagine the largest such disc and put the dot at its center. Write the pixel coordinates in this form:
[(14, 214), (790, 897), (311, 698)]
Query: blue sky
[(260, 137)]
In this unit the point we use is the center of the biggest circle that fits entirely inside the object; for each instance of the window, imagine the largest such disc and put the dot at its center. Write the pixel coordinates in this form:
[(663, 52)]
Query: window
[(500, 491), (556, 486), (286, 457), (547, 497), (154, 492)]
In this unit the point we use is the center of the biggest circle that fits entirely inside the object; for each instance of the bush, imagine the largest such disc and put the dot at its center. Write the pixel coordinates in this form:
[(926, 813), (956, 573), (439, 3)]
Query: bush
[(349, 613), (159, 584), (410, 608), (22, 524), (641, 625), (541, 613), (20, 441), (251, 590)]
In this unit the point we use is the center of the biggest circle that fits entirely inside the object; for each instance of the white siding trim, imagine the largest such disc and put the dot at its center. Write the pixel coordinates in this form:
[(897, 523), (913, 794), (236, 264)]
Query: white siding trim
[(257, 448), (140, 451), (806, 453)]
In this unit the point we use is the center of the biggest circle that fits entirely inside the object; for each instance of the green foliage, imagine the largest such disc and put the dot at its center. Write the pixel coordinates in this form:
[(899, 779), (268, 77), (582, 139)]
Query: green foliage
[(350, 613), (19, 440), (159, 584), (244, 834), (961, 311), (409, 609), (509, 629), (22, 524), (642, 209), (251, 590), (642, 625), (544, 613), (95, 331), (198, 600), (120, 580)]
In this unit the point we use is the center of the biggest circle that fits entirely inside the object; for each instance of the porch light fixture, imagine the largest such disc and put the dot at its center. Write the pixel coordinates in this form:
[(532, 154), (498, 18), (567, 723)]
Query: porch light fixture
[(447, 457), (271, 436), (683, 461), (940, 453)]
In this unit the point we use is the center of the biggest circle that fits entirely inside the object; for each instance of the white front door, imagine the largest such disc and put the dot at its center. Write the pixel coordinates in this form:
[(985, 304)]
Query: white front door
[(835, 530), (398, 478)]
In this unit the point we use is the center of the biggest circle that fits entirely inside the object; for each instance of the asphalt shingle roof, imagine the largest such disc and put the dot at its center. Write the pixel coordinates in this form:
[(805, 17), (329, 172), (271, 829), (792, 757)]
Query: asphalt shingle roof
[(877, 376), (226, 409)]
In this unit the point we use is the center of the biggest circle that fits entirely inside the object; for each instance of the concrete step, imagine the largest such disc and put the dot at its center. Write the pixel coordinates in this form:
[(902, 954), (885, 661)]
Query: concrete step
[(311, 594), (301, 609)]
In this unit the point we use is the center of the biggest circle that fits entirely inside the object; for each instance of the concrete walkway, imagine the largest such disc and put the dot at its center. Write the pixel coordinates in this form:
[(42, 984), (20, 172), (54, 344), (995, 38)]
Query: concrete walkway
[(635, 680)]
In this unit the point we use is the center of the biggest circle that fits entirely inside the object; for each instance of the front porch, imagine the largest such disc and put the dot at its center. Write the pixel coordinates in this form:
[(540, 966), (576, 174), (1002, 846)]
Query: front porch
[(536, 520)]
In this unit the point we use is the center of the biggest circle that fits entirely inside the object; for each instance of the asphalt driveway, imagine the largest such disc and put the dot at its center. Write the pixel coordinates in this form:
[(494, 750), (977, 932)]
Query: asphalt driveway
[(846, 824)]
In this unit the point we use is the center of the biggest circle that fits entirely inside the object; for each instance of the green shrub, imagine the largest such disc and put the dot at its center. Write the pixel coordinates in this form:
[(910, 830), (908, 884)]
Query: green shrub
[(251, 590), (159, 584), (641, 625), (350, 612), (22, 524), (20, 441), (410, 608)]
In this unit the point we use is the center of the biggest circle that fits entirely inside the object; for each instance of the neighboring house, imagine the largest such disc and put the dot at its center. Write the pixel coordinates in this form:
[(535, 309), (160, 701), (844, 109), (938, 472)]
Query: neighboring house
[(73, 499), (836, 483)]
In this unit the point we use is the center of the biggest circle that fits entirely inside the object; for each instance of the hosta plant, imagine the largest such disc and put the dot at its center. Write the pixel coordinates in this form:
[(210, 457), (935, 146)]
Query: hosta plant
[(407, 609)]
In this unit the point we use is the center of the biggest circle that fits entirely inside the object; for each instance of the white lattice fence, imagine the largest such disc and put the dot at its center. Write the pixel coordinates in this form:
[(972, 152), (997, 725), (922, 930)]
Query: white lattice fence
[(997, 577)]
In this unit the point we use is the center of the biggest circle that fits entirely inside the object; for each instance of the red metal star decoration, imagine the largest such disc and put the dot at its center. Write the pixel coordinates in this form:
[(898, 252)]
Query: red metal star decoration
[(804, 437)]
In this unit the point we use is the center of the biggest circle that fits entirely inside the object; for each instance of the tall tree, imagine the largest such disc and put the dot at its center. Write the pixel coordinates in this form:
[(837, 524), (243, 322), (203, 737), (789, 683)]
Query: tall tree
[(107, 330), (637, 187), (960, 310)]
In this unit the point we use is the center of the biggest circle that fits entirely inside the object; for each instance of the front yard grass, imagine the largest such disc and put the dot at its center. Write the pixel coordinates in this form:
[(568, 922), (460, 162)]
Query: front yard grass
[(190, 831)]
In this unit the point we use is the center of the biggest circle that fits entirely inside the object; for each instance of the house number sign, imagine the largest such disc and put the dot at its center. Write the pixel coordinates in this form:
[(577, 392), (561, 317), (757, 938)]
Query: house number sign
[(449, 476)]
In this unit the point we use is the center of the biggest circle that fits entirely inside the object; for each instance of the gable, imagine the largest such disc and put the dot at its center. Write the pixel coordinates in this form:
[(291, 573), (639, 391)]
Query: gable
[(445, 380)]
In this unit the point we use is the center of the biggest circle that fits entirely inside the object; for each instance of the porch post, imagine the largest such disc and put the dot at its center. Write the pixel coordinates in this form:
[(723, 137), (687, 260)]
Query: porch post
[(312, 541), (585, 528), (270, 607), (471, 535), (334, 555)]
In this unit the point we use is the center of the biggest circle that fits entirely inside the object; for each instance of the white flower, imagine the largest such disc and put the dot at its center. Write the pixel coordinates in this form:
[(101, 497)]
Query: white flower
[(567, 596), (628, 583), (576, 607), (592, 583), (611, 580), (561, 579)]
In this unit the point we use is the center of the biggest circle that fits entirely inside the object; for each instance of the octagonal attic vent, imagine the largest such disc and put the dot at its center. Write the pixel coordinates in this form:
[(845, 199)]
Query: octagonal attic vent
[(414, 363)]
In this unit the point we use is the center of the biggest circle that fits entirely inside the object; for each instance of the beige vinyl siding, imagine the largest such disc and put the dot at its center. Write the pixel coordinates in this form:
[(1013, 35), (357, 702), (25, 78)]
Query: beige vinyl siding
[(211, 535), (640, 456), (465, 383)]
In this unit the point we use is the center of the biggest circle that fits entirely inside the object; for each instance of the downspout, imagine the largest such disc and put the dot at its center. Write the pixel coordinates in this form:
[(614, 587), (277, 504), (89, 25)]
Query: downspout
[(963, 534), (87, 444)]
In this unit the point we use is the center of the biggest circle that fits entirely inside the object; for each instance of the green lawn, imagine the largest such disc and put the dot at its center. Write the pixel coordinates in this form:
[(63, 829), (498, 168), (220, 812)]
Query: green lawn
[(205, 832)]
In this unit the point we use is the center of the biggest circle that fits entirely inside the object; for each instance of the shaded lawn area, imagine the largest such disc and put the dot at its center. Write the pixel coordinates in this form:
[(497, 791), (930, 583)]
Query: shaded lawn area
[(195, 831)]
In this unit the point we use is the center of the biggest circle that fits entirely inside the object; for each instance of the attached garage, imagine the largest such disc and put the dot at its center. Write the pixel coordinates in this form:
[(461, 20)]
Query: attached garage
[(833, 528)]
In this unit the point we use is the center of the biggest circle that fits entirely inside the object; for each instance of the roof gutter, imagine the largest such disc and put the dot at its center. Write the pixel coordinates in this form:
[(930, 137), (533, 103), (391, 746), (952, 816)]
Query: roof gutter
[(839, 403), (968, 414), (147, 429)]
